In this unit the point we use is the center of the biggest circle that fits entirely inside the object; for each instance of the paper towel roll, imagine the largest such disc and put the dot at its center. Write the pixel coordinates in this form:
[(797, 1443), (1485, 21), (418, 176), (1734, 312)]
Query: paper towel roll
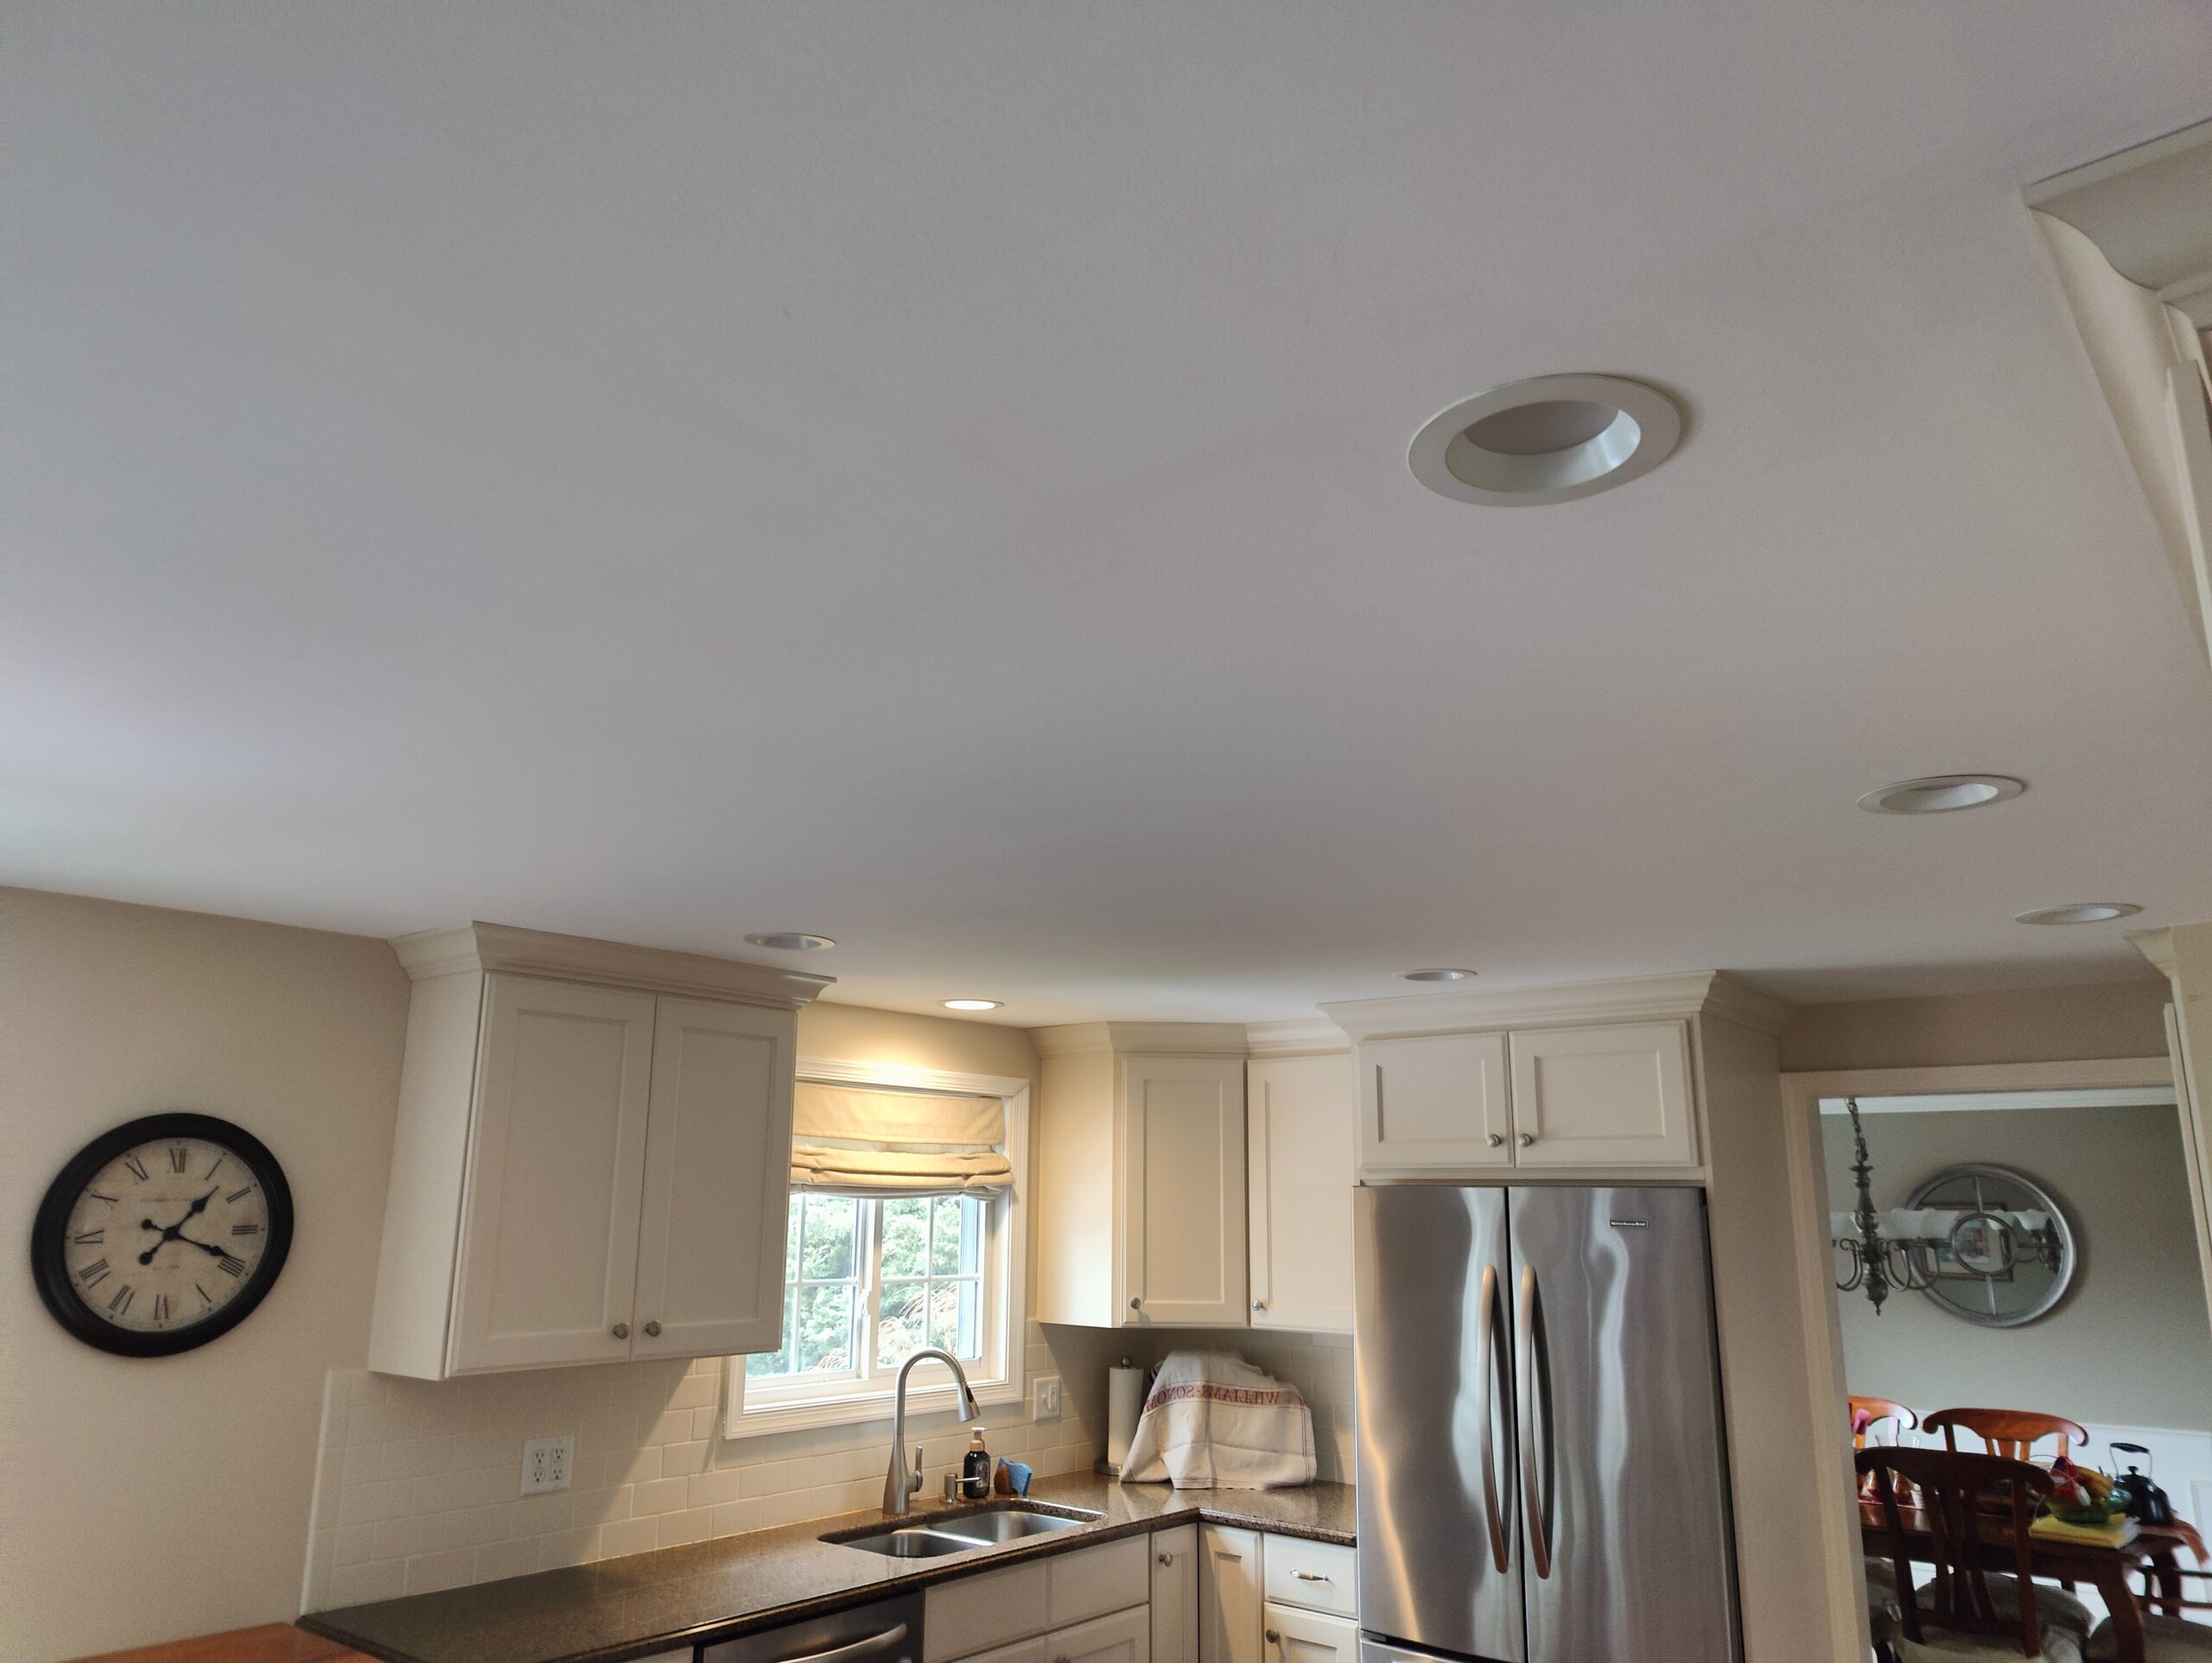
[(1124, 1406)]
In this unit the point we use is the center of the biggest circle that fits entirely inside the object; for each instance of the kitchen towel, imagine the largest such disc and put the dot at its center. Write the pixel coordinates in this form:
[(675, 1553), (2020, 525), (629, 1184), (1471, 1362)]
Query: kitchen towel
[(1215, 1422)]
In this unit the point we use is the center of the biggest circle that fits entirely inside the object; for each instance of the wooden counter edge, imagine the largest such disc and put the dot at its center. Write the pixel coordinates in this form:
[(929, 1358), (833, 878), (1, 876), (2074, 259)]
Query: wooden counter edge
[(272, 1642)]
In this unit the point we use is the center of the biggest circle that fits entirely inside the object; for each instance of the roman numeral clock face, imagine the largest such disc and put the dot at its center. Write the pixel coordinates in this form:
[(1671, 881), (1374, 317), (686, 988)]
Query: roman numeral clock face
[(162, 1234)]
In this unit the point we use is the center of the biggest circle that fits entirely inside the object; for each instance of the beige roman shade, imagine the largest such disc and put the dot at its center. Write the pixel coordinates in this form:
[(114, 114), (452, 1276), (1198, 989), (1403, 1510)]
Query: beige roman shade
[(848, 1140)]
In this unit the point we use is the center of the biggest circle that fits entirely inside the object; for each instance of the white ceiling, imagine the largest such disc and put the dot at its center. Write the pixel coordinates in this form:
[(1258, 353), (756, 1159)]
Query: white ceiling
[(935, 474)]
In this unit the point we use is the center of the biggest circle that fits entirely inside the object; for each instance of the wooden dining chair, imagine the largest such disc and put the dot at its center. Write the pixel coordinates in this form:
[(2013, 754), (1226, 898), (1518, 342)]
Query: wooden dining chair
[(1867, 1413), (2168, 1636), (2011, 1432), (1975, 1507)]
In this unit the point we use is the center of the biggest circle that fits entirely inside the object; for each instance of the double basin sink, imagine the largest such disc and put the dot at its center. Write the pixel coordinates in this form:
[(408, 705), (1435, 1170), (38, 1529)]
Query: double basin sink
[(961, 1533)]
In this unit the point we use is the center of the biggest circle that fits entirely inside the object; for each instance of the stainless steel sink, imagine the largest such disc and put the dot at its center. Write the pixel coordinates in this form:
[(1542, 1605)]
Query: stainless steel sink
[(1005, 1525), (960, 1533), (911, 1543)]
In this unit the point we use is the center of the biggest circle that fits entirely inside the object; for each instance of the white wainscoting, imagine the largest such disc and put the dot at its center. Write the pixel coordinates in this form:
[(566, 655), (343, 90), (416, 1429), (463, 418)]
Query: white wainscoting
[(2180, 1464)]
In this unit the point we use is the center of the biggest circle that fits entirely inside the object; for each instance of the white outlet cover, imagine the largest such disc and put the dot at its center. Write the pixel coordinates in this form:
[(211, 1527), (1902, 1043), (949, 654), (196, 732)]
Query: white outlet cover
[(546, 1462), (1047, 1397)]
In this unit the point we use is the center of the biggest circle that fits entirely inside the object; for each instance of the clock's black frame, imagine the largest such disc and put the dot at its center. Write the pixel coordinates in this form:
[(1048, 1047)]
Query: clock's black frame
[(51, 1227)]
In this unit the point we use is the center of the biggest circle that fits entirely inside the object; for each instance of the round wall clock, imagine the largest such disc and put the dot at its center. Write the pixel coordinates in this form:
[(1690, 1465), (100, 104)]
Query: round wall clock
[(162, 1234)]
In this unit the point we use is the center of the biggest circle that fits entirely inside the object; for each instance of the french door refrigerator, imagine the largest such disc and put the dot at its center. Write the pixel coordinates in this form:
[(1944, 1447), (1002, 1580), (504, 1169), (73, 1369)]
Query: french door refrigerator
[(1541, 1474)]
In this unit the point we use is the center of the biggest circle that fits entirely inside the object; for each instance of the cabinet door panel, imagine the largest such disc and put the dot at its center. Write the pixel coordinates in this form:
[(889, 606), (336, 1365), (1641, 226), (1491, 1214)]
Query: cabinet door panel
[(1125, 1637), (1295, 1636), (1434, 1100), (711, 1246), (1302, 1114), (1230, 1626), (556, 1161), (1184, 1231), (999, 1607), (1175, 1595), (1607, 1096), (1093, 1581)]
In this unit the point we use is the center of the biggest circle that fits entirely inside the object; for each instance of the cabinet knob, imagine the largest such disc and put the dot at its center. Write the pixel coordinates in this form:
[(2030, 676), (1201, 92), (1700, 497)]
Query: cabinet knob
[(621, 1331), (1527, 1138), (1259, 1304), (1496, 1138), (1273, 1639), (1168, 1559), (1136, 1305), (652, 1331)]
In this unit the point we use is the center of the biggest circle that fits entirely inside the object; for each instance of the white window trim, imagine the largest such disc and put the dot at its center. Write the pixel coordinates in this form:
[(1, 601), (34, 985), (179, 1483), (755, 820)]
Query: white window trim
[(1010, 1240)]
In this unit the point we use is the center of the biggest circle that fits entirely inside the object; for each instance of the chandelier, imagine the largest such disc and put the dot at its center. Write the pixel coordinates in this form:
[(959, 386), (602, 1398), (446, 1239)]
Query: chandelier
[(1912, 1247)]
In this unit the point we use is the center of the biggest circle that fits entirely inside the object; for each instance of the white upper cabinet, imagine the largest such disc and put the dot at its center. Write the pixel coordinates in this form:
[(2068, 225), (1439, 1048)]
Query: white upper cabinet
[(1603, 1096), (711, 1275), (1598, 1079), (1301, 1113), (1434, 1101), (556, 1154), (593, 1158), (1184, 1126), (1140, 1176)]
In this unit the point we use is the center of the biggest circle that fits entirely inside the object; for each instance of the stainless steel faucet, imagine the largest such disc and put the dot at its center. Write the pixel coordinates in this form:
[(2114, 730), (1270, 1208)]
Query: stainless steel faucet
[(902, 1482)]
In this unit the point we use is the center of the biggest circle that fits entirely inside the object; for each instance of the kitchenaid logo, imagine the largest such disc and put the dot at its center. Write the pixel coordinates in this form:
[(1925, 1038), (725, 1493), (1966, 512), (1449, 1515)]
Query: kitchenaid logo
[(1631, 1223)]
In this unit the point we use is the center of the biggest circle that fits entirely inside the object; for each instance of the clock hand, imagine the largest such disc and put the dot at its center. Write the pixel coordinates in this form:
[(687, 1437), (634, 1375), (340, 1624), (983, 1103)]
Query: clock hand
[(175, 1232)]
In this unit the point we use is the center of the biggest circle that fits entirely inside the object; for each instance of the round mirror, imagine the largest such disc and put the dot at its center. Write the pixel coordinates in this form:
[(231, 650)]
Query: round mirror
[(2002, 1250)]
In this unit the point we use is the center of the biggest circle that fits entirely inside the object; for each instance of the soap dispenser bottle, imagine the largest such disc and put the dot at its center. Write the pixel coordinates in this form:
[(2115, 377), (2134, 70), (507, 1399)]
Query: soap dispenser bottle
[(976, 1470)]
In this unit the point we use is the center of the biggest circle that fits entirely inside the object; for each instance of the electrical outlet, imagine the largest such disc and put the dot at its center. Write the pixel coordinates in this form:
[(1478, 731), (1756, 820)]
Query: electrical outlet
[(545, 1463), (1048, 1397)]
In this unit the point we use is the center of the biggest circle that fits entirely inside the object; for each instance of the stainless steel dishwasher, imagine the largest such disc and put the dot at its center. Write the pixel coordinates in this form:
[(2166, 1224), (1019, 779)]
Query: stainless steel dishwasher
[(889, 1631)]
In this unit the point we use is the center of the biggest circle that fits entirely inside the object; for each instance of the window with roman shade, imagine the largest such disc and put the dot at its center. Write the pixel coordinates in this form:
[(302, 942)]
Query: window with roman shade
[(905, 1229)]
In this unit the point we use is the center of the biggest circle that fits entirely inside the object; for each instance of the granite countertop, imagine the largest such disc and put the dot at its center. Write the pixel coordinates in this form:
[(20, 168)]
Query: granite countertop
[(617, 1609)]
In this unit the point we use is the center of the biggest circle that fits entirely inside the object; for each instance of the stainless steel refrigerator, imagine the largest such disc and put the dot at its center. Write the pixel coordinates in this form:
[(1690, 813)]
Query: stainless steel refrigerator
[(1542, 1478)]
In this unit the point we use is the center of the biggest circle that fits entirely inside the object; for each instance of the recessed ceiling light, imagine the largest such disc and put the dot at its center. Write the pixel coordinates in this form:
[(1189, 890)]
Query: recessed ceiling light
[(2080, 913), (1941, 793), (971, 1004), (790, 941), (1549, 438), (1439, 975)]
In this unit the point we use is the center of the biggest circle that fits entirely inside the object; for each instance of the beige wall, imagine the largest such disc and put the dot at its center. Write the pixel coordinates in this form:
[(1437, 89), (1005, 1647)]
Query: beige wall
[(149, 1498), (2130, 1344), (2027, 1025), (141, 1501)]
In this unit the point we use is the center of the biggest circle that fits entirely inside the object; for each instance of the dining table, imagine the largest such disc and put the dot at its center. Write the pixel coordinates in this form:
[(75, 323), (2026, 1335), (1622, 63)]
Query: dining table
[(2155, 1549)]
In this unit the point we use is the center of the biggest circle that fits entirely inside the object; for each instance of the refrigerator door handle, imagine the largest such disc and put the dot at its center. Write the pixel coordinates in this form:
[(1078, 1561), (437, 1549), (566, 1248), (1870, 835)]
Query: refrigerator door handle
[(1489, 1358), (1532, 1388)]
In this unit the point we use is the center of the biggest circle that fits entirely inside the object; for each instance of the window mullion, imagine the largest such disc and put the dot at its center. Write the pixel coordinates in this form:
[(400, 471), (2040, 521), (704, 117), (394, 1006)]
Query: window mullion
[(872, 1289)]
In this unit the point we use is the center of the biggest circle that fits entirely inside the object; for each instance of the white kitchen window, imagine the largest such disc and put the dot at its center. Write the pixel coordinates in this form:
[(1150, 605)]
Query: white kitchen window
[(905, 1230)]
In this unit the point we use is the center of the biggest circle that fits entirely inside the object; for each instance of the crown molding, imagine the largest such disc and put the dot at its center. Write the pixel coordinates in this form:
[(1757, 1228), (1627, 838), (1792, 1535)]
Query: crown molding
[(1308, 1036), (2158, 946), (485, 946), (1632, 999), (1150, 1038)]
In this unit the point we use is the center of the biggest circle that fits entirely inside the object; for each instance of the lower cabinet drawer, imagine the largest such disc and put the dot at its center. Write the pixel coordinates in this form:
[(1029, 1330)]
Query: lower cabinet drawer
[(1320, 1576), (1296, 1636)]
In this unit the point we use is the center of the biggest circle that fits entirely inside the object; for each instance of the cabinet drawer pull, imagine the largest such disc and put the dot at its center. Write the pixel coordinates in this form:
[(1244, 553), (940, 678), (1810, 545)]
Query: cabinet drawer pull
[(621, 1331), (1309, 1576)]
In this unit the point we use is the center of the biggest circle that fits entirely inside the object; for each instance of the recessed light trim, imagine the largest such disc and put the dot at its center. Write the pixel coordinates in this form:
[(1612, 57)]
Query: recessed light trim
[(1942, 794), (1549, 438), (2079, 912), (790, 941), (971, 1004), (1439, 973)]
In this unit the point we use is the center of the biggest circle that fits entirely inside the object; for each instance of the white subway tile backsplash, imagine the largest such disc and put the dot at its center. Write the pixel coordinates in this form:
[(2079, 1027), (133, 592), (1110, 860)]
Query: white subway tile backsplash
[(420, 1479)]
